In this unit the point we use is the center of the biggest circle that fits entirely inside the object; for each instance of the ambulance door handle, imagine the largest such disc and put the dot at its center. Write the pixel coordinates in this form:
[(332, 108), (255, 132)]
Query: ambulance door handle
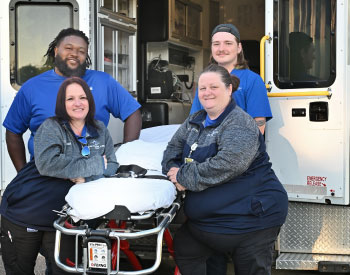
[(298, 112), (262, 59)]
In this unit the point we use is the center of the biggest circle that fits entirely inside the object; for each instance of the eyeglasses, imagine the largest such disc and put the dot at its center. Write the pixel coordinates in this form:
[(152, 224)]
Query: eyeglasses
[(85, 150)]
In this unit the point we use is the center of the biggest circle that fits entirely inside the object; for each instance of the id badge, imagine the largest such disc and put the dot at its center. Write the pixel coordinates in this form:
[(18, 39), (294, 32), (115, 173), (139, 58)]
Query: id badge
[(188, 160), (193, 148)]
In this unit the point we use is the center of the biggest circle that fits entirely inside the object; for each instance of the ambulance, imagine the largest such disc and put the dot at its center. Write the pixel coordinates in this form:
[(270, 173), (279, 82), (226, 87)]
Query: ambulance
[(301, 48)]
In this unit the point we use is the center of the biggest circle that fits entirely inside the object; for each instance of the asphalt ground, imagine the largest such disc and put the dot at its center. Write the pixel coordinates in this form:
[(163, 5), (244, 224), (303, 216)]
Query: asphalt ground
[(166, 268)]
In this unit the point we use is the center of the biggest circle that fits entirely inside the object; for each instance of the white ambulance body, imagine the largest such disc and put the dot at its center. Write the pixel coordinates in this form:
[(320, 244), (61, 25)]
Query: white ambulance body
[(308, 137)]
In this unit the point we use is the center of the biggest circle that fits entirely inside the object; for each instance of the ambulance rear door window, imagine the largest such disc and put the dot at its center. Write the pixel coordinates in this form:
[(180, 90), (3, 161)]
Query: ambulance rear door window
[(304, 43), (33, 25)]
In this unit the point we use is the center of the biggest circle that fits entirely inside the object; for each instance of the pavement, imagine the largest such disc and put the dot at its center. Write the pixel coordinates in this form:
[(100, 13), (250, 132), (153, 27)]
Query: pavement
[(166, 268), (39, 268)]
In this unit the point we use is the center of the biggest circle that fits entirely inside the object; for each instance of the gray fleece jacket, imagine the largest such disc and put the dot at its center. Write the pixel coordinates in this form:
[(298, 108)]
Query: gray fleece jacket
[(225, 150), (58, 154), (231, 188)]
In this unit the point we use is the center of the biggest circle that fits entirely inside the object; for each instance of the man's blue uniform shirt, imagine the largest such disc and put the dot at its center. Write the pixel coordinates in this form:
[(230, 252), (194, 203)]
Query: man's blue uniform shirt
[(36, 101), (250, 96)]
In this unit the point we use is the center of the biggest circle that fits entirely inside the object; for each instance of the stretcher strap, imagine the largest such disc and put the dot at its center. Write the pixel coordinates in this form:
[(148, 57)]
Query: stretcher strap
[(130, 171), (135, 171), (158, 177)]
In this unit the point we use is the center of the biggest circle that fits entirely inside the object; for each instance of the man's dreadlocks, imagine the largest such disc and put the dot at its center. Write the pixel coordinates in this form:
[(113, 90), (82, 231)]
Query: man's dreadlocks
[(62, 34)]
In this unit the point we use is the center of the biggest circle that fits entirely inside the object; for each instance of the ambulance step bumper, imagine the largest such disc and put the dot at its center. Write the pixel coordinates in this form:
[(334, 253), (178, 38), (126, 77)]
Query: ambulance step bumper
[(321, 262)]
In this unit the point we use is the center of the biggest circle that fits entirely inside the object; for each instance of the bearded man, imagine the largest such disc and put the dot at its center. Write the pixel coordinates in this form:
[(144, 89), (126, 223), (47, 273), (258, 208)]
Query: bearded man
[(36, 99)]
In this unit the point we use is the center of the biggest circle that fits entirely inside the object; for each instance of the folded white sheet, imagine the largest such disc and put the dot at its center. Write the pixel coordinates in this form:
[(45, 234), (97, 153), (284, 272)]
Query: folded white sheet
[(96, 198), (148, 155), (161, 133)]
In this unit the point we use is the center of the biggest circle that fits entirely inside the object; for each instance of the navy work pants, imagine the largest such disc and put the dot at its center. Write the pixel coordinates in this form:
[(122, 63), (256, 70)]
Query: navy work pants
[(217, 264), (20, 248), (251, 252)]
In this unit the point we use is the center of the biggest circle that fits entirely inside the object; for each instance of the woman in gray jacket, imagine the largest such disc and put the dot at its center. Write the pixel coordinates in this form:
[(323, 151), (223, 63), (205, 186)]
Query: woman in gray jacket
[(70, 148), (234, 202)]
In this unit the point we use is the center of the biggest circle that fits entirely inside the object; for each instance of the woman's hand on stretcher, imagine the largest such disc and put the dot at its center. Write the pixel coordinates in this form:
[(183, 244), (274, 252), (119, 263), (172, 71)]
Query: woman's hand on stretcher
[(172, 177), (78, 180)]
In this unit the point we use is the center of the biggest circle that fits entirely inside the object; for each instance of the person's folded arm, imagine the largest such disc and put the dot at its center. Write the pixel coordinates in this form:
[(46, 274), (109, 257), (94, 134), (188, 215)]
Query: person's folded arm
[(111, 165), (173, 153), (237, 148)]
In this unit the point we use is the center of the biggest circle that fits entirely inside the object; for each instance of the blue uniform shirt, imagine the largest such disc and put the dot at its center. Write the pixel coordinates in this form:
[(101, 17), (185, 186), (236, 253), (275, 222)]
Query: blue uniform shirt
[(250, 96), (36, 101)]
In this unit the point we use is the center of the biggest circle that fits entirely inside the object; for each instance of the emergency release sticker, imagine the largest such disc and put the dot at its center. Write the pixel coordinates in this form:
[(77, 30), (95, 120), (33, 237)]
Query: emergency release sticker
[(97, 255), (317, 181)]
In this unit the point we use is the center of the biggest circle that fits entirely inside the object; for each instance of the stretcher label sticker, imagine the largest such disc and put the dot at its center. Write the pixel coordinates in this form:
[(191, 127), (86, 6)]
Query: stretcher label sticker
[(97, 255), (316, 181)]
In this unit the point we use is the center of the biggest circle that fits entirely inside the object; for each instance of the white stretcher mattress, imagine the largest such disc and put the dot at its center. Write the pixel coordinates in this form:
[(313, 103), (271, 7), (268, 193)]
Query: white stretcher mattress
[(96, 198)]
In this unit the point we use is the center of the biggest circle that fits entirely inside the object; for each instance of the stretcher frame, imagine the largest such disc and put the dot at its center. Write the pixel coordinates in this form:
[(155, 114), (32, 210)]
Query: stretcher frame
[(117, 240)]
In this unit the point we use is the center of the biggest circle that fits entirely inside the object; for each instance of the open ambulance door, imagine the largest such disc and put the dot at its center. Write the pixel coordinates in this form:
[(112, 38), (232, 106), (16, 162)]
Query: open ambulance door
[(307, 71), (305, 65)]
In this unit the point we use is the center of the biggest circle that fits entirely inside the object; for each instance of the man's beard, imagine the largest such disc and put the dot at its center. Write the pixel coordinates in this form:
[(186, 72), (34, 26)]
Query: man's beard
[(62, 66)]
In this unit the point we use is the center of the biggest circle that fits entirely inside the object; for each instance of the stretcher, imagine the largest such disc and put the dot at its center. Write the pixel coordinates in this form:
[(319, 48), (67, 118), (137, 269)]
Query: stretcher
[(103, 216)]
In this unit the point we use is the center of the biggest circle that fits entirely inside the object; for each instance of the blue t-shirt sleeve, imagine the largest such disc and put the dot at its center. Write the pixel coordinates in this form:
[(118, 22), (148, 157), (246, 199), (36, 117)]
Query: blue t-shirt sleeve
[(196, 105), (121, 103), (18, 117), (257, 101)]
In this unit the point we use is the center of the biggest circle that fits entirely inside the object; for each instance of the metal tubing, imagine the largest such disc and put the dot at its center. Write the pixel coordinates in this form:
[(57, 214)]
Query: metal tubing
[(159, 230), (146, 215)]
